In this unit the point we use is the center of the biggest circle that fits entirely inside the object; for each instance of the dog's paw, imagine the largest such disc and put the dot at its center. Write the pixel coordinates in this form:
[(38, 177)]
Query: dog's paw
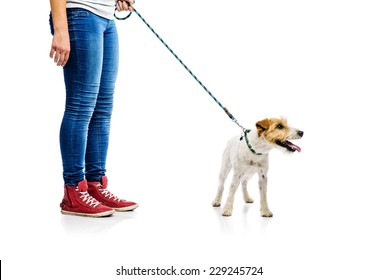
[(227, 212), (267, 214), (216, 203), (248, 200)]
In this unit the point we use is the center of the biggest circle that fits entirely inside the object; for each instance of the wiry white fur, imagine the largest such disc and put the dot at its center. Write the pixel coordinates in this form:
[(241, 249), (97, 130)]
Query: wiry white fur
[(245, 164)]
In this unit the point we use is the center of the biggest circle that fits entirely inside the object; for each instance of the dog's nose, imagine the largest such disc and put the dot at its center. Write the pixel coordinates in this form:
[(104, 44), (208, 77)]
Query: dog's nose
[(300, 133)]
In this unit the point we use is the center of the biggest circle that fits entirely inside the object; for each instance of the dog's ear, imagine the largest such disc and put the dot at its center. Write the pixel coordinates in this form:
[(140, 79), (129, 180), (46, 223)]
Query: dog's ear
[(262, 126)]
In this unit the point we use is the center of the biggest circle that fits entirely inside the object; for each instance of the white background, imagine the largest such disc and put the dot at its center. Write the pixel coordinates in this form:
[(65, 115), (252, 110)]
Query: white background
[(315, 62)]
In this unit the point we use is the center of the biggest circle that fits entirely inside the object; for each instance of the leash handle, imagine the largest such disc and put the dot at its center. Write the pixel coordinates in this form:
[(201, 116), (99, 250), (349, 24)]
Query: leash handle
[(121, 18), (115, 11)]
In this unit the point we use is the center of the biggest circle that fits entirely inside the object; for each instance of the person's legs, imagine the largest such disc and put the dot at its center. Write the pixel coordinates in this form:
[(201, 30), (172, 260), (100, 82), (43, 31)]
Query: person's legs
[(99, 126), (90, 76), (82, 75)]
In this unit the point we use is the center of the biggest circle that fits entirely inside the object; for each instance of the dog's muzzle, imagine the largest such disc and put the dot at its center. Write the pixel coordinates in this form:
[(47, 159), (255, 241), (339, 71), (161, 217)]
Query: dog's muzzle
[(290, 146)]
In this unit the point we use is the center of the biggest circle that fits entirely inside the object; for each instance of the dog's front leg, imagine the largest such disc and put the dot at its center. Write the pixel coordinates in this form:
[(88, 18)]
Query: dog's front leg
[(246, 195), (227, 211), (263, 184)]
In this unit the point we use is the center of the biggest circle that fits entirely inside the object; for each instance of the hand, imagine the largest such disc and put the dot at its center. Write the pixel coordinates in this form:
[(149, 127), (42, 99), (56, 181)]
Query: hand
[(125, 5), (60, 48)]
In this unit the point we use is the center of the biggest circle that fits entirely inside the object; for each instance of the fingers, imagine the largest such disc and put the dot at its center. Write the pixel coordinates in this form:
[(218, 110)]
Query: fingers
[(131, 5), (60, 48), (119, 6), (60, 56), (122, 6), (125, 5), (52, 51)]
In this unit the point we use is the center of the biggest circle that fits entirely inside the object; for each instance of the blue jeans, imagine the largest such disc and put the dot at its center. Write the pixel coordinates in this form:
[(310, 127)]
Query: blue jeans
[(89, 76)]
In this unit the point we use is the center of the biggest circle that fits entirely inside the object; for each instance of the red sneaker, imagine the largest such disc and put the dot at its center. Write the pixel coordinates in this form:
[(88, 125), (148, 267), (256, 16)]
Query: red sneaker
[(77, 201), (100, 192)]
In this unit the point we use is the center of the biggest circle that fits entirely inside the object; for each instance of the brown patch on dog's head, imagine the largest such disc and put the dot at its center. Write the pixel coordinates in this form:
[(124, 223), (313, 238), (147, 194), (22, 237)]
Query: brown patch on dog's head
[(273, 129), (277, 132)]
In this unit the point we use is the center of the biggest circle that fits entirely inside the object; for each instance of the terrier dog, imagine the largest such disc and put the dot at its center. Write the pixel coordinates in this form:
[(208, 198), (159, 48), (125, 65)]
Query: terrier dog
[(251, 155)]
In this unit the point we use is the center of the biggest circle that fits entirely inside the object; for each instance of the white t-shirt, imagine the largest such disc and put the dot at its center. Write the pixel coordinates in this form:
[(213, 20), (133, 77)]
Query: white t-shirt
[(102, 8)]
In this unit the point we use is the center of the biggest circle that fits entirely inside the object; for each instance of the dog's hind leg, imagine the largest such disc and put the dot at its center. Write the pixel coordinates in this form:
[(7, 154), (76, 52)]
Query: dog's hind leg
[(225, 170), (246, 196), (227, 211)]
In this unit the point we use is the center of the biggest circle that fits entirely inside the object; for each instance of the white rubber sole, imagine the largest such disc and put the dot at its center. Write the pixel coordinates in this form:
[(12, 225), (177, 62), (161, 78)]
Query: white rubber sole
[(96, 215), (125, 209)]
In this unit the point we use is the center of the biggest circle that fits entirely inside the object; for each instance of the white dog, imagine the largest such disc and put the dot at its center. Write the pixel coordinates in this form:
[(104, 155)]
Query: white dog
[(250, 155)]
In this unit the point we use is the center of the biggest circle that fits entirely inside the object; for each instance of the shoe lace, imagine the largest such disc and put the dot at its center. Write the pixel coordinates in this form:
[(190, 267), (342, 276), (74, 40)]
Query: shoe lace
[(107, 193), (88, 199)]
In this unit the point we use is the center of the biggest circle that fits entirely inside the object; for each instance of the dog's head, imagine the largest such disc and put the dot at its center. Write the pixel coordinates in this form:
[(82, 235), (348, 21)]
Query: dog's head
[(278, 133)]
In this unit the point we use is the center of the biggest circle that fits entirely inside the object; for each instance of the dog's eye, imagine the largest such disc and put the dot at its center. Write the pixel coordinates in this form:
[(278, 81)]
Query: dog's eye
[(280, 126)]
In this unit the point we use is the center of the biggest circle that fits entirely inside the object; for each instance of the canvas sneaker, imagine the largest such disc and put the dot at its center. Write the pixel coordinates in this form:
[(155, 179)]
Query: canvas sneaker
[(77, 201), (100, 192)]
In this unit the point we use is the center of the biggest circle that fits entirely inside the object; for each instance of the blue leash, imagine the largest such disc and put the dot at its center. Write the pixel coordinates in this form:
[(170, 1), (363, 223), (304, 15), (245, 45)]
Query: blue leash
[(245, 131)]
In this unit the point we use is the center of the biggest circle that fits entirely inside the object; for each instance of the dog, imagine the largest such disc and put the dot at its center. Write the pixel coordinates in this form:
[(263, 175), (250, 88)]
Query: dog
[(248, 155)]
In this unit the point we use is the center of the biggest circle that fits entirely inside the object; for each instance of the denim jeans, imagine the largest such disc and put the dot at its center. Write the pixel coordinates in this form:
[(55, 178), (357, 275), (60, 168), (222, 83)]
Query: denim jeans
[(89, 77)]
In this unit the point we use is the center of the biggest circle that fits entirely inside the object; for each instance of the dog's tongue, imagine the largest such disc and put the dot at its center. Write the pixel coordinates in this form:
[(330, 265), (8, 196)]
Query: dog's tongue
[(295, 147)]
